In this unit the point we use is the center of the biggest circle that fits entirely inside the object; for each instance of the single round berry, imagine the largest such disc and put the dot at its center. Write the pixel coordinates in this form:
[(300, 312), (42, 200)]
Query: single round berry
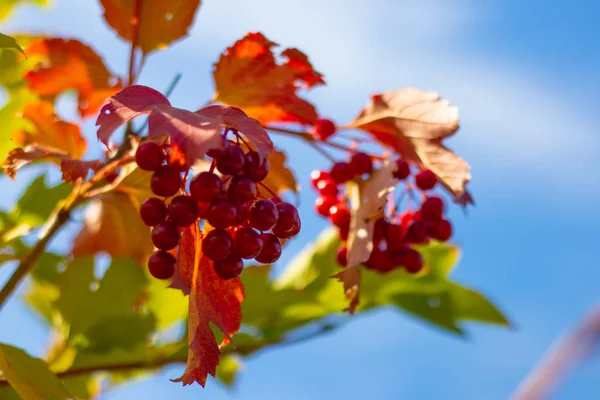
[(247, 243), (221, 213), (165, 181), (288, 217), (442, 231), (241, 190), (432, 209), (380, 230), (402, 170), (394, 237), (342, 256), (317, 175), (426, 179), (289, 233), (271, 250), (149, 156), (380, 261), (229, 267), (339, 215), (323, 204), (161, 264), (242, 213), (254, 169), (417, 232), (217, 244), (412, 261), (231, 161), (263, 215), (324, 128), (327, 187), (205, 186), (153, 211), (361, 163), (165, 236), (183, 210), (341, 172)]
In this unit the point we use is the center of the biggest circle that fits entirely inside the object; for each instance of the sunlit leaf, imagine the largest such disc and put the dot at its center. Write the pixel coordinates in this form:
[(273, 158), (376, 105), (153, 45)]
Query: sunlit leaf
[(8, 42), (8, 6)]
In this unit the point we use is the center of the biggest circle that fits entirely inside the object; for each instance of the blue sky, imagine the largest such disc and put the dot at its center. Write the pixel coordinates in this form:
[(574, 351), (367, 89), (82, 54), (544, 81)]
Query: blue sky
[(524, 76)]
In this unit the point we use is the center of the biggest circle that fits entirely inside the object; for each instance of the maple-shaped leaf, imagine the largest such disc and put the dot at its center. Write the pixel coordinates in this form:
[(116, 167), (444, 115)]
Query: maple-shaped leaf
[(212, 300), (154, 25), (280, 178), (194, 134), (248, 76), (414, 123), (67, 64)]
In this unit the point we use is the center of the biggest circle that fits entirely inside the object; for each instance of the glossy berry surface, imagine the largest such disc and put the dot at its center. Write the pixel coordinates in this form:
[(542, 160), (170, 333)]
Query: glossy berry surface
[(221, 213), (149, 156), (340, 215), (241, 190), (380, 261), (341, 172), (205, 186), (217, 244), (165, 181), (425, 180), (442, 231), (165, 235), (263, 215), (271, 250), (161, 264), (153, 211), (432, 209), (412, 261), (317, 175), (361, 163), (324, 129), (327, 187), (247, 243), (288, 217), (417, 232), (254, 168), (183, 210), (402, 170), (323, 204), (286, 234), (229, 267), (231, 161)]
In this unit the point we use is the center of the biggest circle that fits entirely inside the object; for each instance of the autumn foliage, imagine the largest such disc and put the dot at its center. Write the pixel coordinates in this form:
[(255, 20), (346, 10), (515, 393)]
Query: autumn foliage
[(169, 169)]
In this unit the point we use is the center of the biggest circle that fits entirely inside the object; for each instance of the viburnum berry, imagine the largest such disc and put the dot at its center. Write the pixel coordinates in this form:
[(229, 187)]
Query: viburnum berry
[(153, 211), (165, 235), (339, 215), (324, 129), (221, 213), (231, 160), (327, 187), (263, 215), (442, 231), (242, 212), (247, 243), (149, 156), (161, 264), (394, 237), (432, 209), (203, 209), (425, 179), (402, 170), (254, 169), (229, 267), (165, 181), (288, 217), (183, 210), (380, 230), (411, 260), (380, 261), (205, 186), (324, 203), (417, 232), (317, 175), (241, 190), (217, 244), (281, 234), (361, 163), (341, 172), (271, 250), (342, 256), (343, 233)]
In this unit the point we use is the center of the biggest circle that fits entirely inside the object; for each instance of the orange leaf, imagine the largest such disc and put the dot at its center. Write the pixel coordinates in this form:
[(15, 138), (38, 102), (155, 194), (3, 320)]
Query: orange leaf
[(77, 169), (247, 76), (159, 23), (280, 178), (414, 123), (70, 64), (212, 300)]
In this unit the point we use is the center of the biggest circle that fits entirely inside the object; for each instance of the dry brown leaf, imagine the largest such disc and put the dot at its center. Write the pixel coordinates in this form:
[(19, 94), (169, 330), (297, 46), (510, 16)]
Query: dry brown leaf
[(414, 123)]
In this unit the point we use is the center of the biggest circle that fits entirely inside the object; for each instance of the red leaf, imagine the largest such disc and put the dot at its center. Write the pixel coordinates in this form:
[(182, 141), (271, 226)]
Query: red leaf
[(70, 64), (247, 76), (212, 300), (77, 169)]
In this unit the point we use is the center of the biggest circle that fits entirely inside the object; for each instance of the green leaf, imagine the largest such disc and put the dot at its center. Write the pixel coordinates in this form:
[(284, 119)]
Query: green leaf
[(8, 42), (228, 368), (8, 6), (29, 376), (473, 306)]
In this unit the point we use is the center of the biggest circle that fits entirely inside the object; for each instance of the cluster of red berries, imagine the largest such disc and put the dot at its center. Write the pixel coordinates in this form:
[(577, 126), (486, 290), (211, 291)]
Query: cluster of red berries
[(392, 239), (246, 225)]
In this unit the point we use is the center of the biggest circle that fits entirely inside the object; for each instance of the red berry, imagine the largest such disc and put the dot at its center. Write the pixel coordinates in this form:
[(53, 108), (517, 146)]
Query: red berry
[(442, 231), (217, 244), (161, 264), (221, 213), (241, 190), (231, 160), (229, 267), (165, 181), (361, 163), (165, 235), (288, 217), (394, 237), (425, 179), (205, 186), (214, 153), (275, 200), (341, 172), (323, 204), (402, 170), (183, 210), (380, 230), (242, 213), (327, 187), (149, 156), (247, 243), (432, 209), (411, 260), (343, 233), (339, 215), (153, 211), (254, 169), (342, 256), (406, 218), (380, 261), (417, 232), (271, 250), (263, 215), (289, 233), (203, 209), (324, 128), (317, 175)]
